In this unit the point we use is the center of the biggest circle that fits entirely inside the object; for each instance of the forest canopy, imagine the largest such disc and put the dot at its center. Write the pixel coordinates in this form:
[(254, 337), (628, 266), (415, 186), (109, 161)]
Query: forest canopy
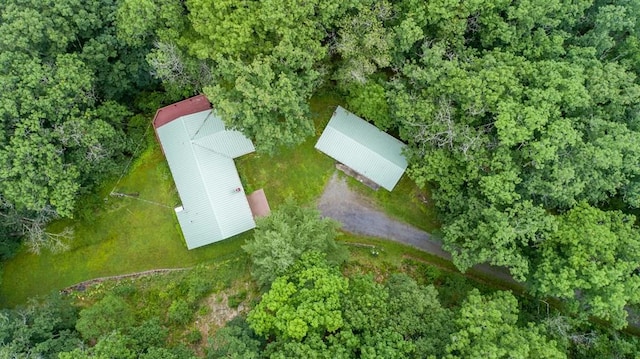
[(520, 116), (65, 78)]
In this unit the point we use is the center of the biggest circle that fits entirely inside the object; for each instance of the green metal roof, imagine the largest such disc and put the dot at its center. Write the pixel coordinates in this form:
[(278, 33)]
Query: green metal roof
[(364, 148), (200, 153)]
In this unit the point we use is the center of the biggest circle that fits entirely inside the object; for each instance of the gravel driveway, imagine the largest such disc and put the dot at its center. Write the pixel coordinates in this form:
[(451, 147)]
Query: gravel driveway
[(360, 216)]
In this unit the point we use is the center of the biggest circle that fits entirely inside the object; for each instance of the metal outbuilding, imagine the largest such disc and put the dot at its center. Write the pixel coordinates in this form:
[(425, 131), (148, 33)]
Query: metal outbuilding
[(200, 153), (361, 146)]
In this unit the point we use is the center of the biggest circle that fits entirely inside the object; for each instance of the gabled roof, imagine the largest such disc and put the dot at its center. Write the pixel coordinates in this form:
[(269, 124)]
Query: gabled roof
[(364, 148), (200, 153)]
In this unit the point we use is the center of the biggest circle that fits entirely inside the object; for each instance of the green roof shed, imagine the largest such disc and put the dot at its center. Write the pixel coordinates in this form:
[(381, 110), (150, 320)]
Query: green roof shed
[(361, 146)]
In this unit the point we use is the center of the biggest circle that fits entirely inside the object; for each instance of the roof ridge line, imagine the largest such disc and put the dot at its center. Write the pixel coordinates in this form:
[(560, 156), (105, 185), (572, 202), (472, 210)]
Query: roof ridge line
[(201, 125), (193, 142)]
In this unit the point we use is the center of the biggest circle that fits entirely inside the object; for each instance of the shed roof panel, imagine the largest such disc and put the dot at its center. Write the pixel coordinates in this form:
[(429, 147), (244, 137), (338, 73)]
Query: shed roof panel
[(363, 147), (231, 144)]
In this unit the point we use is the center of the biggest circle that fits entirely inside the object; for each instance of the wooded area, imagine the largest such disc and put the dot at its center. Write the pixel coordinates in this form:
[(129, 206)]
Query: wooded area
[(521, 117)]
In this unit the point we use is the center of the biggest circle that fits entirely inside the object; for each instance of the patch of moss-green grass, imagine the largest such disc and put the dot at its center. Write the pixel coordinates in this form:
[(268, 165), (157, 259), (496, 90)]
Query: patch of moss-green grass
[(371, 251), (299, 172), (114, 235)]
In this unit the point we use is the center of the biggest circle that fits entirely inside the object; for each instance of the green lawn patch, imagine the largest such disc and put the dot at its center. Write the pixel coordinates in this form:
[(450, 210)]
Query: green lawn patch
[(114, 236), (299, 172), (406, 203)]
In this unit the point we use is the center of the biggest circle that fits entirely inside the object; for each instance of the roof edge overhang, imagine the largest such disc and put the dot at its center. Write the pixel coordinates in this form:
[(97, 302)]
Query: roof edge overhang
[(185, 107)]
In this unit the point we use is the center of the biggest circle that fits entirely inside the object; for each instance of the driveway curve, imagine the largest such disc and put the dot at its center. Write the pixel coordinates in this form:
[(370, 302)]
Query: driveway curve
[(359, 215)]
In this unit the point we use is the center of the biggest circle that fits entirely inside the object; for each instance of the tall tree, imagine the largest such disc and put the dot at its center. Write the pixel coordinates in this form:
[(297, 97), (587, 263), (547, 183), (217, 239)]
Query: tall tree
[(304, 302), (504, 137), (591, 262), (285, 235), (364, 43), (39, 329), (259, 62), (487, 328), (61, 69)]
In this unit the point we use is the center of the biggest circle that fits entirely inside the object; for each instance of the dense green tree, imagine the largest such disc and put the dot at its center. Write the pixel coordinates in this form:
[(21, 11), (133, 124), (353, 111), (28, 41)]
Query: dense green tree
[(259, 63), (415, 312), (160, 28), (48, 28), (369, 101), (138, 21), (61, 68), (367, 314), (363, 43), (583, 340), (307, 300), (591, 262), (56, 142), (234, 340), (40, 329), (148, 335), (487, 234), (114, 345), (487, 328), (111, 345), (285, 235), (314, 311), (267, 104), (506, 138)]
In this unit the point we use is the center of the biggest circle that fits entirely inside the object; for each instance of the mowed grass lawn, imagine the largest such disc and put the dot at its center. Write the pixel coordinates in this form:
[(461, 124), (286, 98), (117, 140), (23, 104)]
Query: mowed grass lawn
[(116, 235)]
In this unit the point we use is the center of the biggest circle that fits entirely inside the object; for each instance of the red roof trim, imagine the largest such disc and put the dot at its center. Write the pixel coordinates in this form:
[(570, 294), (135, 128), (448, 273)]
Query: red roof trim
[(185, 107)]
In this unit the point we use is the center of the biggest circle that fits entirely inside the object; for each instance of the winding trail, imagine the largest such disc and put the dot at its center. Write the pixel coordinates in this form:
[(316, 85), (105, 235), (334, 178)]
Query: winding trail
[(360, 216)]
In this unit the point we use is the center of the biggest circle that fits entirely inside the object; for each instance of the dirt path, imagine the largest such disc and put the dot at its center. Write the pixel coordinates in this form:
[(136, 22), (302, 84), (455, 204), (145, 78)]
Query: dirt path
[(358, 215)]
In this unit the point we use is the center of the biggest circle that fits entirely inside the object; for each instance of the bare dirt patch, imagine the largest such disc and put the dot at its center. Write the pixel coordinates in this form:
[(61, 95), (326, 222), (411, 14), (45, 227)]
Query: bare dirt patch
[(216, 310)]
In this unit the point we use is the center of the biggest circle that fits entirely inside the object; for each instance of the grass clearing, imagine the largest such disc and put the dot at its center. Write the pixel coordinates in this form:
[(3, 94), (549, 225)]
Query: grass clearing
[(407, 203), (114, 236), (300, 172), (119, 235)]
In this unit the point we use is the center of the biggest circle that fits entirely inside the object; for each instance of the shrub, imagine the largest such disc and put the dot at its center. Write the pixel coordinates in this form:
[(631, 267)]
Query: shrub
[(110, 314), (179, 312)]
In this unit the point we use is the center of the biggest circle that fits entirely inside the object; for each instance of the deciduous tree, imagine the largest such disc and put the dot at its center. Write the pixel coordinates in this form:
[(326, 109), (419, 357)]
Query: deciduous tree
[(285, 235), (487, 328), (307, 300), (591, 262)]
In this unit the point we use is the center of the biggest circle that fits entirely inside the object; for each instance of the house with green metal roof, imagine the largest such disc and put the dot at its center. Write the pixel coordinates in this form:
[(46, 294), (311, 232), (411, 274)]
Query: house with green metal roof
[(201, 153), (362, 147)]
